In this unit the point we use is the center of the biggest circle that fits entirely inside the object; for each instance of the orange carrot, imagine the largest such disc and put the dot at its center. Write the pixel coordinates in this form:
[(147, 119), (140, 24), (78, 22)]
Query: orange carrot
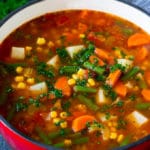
[(113, 77), (94, 58), (147, 77), (138, 39), (101, 54), (146, 94), (120, 89), (62, 84), (80, 123), (141, 54)]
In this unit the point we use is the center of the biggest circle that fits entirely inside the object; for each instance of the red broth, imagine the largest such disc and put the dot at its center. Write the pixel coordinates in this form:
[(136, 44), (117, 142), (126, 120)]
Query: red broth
[(77, 80)]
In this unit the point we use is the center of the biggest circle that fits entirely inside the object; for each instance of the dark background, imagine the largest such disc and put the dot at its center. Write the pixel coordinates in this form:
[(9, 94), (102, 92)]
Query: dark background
[(6, 6)]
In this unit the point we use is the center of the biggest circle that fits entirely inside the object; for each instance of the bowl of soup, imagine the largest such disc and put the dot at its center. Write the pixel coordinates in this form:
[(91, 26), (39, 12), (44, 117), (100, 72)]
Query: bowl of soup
[(75, 75)]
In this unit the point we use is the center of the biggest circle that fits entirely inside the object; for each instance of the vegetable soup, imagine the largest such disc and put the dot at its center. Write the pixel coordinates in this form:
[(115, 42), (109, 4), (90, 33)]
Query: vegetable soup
[(77, 79)]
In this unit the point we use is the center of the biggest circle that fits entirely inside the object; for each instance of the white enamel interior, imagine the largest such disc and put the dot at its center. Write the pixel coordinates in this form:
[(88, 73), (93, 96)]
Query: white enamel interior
[(45, 6)]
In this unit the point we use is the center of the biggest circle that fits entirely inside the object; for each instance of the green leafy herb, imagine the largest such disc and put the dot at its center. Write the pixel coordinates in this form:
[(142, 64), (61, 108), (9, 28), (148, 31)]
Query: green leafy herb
[(120, 103), (82, 82), (116, 67), (121, 124)]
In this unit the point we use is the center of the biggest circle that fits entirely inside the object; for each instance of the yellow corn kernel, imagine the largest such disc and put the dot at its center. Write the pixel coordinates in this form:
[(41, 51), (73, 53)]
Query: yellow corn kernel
[(63, 115), (21, 85), (113, 135), (110, 124), (63, 124), (19, 78), (82, 36), (113, 129), (71, 81), (53, 114), (117, 53), (91, 82), (28, 48), (41, 41), (50, 44), (80, 72), (120, 138), (31, 81), (56, 120), (19, 69), (67, 142), (75, 76)]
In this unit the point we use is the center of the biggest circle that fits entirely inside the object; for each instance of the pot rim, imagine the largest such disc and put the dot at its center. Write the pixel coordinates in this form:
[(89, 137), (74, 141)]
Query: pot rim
[(17, 132)]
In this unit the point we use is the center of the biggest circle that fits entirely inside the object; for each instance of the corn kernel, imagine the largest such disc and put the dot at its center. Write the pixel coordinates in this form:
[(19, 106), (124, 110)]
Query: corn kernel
[(63, 124), (81, 72), (19, 78), (82, 36), (50, 44), (56, 120), (75, 76), (28, 48), (113, 135), (110, 124), (41, 41), (91, 82), (21, 85), (67, 142), (120, 138), (53, 114), (63, 115), (71, 81), (19, 69), (30, 81)]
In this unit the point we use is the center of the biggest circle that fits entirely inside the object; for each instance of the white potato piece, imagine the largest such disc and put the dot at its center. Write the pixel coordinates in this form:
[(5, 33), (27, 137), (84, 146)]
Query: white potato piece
[(101, 98), (39, 88), (74, 49), (18, 53), (125, 63), (137, 119), (105, 133), (54, 61)]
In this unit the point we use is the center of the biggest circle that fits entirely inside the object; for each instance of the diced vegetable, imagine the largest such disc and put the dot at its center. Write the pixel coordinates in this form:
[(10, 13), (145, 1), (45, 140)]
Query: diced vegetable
[(105, 133), (84, 89), (101, 98), (54, 61), (141, 55), (72, 50), (18, 53), (81, 140), (79, 123), (125, 63), (142, 106), (120, 89), (62, 84), (68, 69), (95, 60), (138, 39), (126, 140), (99, 70), (113, 77), (146, 94), (101, 54), (137, 119), (39, 88), (147, 77), (131, 73), (88, 102)]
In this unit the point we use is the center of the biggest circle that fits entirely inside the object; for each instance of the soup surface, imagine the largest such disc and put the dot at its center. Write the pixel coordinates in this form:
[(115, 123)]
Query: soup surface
[(77, 80)]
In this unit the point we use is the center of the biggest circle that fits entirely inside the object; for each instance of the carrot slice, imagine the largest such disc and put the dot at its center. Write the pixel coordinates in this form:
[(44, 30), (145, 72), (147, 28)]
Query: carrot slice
[(62, 84), (120, 89), (113, 77), (101, 54), (94, 58), (146, 94), (80, 123), (147, 77), (141, 54), (138, 39)]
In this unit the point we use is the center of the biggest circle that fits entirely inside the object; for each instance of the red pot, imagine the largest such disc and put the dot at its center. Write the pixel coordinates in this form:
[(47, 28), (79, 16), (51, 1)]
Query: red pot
[(17, 140)]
